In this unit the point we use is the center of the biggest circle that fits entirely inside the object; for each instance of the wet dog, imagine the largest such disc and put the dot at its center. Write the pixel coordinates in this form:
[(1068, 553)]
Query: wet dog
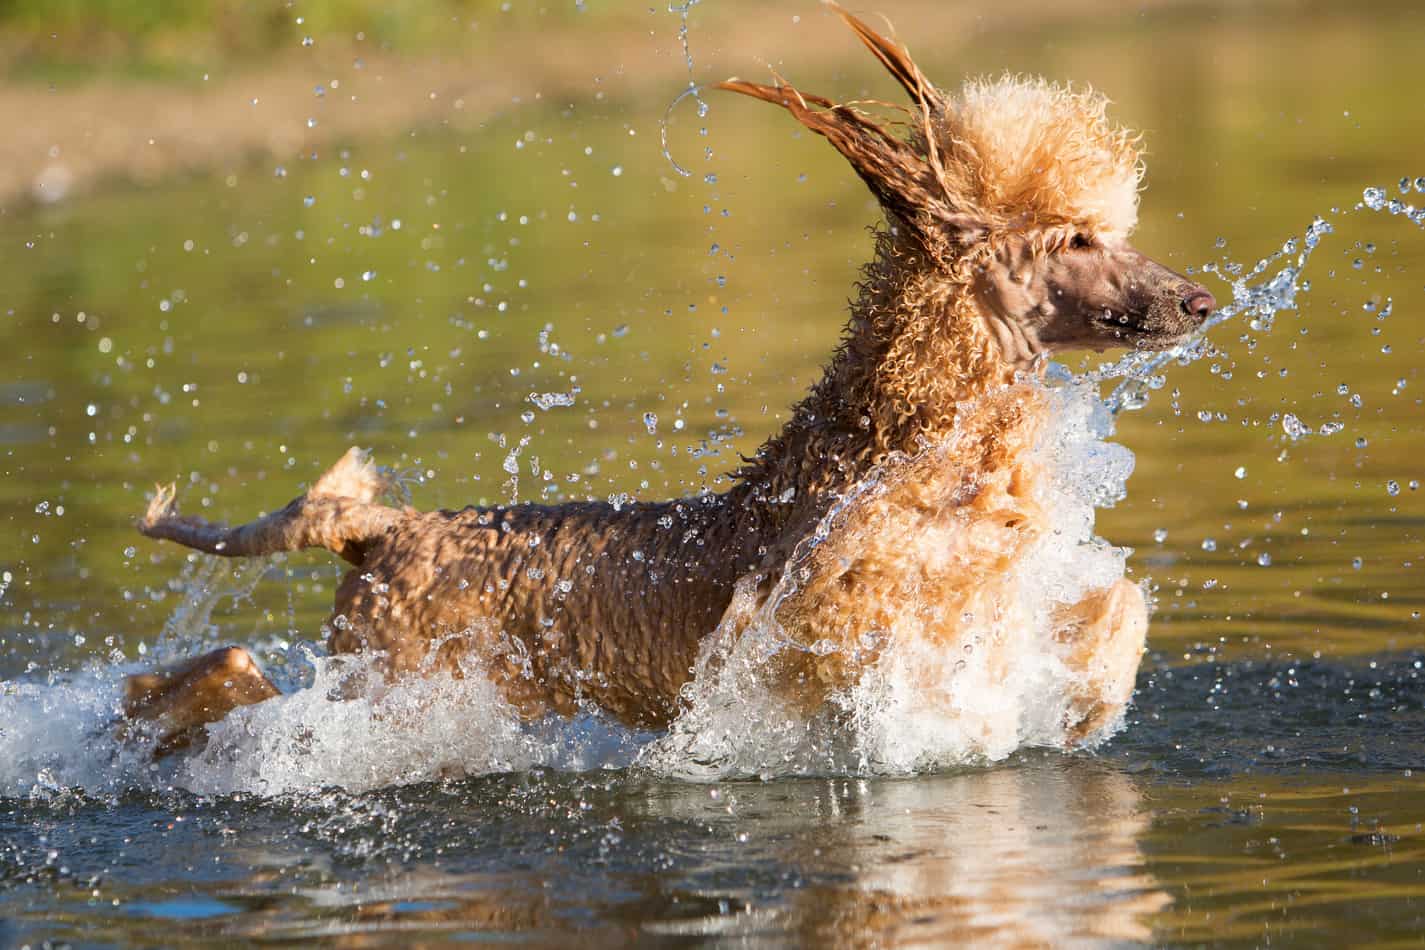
[(1008, 208)]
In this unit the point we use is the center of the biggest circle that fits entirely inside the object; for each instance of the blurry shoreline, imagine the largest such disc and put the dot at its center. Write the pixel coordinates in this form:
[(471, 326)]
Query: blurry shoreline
[(70, 137)]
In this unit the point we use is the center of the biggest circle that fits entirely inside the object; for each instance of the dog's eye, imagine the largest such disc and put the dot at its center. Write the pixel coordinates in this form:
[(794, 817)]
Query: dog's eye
[(1080, 241)]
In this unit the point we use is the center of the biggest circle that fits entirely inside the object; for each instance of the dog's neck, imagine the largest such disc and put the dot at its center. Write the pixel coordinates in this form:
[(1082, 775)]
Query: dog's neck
[(915, 353)]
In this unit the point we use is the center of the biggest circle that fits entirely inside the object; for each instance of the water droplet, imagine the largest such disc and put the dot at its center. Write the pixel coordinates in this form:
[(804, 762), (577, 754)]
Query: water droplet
[(1241, 472), (1392, 487), (1264, 559), (1294, 427), (650, 422)]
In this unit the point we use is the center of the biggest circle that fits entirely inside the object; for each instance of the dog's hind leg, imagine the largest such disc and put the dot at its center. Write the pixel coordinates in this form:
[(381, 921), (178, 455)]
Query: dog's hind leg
[(340, 512), (182, 699), (1104, 635)]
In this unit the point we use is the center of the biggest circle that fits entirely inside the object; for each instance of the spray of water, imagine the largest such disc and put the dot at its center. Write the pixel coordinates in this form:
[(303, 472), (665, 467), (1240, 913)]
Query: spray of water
[(693, 91), (920, 705), (1255, 297)]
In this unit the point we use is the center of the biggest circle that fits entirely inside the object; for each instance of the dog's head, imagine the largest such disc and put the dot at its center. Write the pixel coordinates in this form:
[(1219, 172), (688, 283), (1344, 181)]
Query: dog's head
[(1020, 189)]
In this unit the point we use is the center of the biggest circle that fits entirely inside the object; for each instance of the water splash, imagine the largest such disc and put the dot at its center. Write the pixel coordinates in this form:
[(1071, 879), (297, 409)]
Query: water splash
[(202, 584), (323, 732), (920, 706), (421, 729), (1259, 301), (682, 10), (695, 92), (64, 734)]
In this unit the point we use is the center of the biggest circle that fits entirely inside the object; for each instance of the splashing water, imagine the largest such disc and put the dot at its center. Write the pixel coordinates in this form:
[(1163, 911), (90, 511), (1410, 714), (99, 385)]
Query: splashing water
[(693, 91), (59, 731), (919, 706), (1260, 302), (64, 733), (683, 11)]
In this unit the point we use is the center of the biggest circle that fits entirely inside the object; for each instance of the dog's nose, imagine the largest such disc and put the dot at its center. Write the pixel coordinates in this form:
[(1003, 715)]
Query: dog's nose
[(1199, 303)]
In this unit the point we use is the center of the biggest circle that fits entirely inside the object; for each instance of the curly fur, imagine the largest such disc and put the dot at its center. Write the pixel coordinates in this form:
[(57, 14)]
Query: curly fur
[(588, 602), (1027, 154)]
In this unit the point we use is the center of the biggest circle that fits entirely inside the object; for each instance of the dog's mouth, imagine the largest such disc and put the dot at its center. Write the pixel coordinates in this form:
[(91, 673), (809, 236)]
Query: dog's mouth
[(1112, 335), (1154, 342), (1117, 332)]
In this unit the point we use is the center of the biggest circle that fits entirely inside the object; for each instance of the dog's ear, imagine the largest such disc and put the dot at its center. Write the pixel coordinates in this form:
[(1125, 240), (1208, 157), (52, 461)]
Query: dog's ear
[(896, 59), (906, 176), (896, 174)]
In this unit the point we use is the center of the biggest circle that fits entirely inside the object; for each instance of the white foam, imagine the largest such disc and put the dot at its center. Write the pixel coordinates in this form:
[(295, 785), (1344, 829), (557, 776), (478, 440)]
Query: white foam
[(420, 729), (919, 708), (64, 734)]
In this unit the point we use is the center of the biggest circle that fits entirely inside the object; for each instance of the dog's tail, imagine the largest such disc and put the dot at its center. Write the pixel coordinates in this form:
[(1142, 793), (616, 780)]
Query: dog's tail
[(341, 512)]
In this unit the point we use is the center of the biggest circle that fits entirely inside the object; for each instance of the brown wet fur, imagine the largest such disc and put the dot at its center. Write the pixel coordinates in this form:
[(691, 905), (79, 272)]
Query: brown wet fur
[(1008, 209)]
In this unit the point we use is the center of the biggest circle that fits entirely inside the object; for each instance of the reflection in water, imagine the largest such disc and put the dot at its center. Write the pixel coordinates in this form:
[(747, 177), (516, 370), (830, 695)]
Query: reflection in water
[(1043, 852), (1040, 853)]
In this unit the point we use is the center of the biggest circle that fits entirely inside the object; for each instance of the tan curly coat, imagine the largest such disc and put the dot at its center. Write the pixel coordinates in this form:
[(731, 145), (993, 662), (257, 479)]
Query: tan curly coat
[(1007, 213)]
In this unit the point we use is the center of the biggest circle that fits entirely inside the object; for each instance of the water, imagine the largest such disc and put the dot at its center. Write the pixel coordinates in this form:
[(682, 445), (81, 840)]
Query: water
[(1262, 788)]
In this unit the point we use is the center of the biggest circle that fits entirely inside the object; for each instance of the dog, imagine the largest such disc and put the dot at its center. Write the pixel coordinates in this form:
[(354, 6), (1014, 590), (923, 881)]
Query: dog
[(1008, 208)]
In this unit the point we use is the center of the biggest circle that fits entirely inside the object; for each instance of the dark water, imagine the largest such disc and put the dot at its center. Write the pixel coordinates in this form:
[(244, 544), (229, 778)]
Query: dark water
[(1264, 788), (1245, 803)]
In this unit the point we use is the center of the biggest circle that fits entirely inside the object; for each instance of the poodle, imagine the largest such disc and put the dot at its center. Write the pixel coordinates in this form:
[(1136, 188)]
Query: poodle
[(1008, 208)]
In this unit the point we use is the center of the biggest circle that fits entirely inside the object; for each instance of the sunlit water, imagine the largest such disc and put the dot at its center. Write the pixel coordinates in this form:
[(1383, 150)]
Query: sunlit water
[(1262, 787)]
